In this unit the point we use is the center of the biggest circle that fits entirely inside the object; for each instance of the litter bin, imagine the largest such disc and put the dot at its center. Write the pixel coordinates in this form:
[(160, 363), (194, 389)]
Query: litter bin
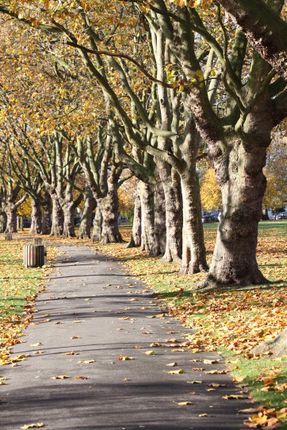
[(34, 254)]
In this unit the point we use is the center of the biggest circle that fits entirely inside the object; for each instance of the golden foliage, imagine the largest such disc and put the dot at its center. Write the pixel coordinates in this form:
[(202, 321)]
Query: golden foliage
[(210, 193)]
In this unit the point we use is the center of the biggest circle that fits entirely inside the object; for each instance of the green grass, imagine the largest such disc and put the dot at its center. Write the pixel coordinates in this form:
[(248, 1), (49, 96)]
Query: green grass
[(18, 286)]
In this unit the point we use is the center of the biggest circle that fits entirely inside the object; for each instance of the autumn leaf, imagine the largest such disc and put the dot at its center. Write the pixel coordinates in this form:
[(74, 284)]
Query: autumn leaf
[(184, 403), (233, 397), (86, 361), (176, 372), (32, 426), (150, 353), (125, 358), (61, 377)]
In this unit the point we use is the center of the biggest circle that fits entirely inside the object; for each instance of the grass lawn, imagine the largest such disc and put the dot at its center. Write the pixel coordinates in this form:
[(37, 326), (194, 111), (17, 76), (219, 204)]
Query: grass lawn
[(18, 288), (233, 321)]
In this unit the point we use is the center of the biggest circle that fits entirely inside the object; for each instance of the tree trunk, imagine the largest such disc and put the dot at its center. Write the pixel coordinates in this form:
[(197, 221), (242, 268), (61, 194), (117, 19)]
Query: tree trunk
[(57, 217), (69, 219), (3, 222), (109, 207), (234, 258), (173, 215), (97, 228), (159, 219), (148, 237), (136, 230), (193, 252), (11, 214), (87, 216), (46, 215), (36, 217)]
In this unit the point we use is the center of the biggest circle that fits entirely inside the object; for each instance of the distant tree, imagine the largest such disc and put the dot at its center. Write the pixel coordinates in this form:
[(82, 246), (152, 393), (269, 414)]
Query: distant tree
[(209, 191)]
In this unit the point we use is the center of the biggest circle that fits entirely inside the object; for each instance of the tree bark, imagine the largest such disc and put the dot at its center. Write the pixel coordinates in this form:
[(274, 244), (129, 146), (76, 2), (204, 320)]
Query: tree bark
[(3, 222), (159, 218), (193, 248), (57, 217), (11, 214), (46, 214), (69, 210), (173, 215), (234, 259), (109, 207), (148, 236), (97, 227), (265, 29), (36, 217), (136, 230), (87, 216)]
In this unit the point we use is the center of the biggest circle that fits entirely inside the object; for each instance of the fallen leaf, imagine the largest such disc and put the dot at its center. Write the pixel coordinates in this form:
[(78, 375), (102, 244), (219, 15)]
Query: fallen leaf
[(60, 377), (125, 358), (233, 397), (205, 361), (86, 361), (176, 372), (185, 403), (33, 426), (150, 353)]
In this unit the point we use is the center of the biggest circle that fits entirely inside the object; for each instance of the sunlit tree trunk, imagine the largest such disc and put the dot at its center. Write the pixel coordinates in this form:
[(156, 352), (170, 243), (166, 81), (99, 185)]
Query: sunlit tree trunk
[(87, 216), (57, 217), (97, 226), (36, 217), (148, 236), (136, 229), (193, 252), (109, 207)]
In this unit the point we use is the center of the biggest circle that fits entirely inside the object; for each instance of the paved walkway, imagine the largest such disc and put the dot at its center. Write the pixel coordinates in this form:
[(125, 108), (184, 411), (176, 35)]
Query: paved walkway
[(91, 317)]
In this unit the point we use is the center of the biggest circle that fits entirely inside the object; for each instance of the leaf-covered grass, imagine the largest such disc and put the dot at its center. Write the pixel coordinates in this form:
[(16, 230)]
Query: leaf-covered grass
[(18, 288), (231, 321)]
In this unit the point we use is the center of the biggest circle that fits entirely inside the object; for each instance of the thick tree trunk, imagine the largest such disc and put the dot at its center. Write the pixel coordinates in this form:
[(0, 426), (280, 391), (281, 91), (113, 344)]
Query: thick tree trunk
[(36, 217), (173, 216), (159, 219), (193, 252), (148, 236), (109, 207), (234, 259), (69, 219), (97, 226), (11, 214), (136, 230), (87, 216), (57, 217), (46, 214)]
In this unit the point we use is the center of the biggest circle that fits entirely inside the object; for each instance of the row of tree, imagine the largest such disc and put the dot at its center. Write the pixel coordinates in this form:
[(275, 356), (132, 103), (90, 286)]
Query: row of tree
[(93, 92)]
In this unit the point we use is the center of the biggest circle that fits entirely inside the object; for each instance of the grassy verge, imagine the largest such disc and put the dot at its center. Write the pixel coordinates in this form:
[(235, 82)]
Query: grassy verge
[(18, 289), (232, 322)]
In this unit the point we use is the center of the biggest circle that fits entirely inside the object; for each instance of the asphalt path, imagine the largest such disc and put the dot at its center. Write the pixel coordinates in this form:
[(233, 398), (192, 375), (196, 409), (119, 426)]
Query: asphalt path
[(101, 354)]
